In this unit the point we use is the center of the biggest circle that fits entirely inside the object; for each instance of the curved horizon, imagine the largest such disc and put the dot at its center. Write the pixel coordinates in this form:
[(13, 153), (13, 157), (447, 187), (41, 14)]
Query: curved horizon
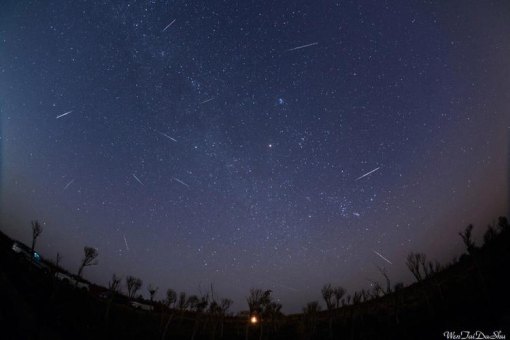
[(261, 145)]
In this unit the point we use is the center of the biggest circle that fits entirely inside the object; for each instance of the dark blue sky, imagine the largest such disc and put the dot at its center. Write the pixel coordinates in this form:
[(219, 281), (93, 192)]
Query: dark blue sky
[(228, 146)]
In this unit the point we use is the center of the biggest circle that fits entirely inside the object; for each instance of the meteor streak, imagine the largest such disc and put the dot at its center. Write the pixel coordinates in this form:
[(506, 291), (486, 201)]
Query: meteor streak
[(368, 173), (170, 24), (137, 179), (303, 46), (64, 114), (382, 257)]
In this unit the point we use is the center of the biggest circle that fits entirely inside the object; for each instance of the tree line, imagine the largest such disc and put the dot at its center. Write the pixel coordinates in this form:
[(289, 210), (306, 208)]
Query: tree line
[(263, 310)]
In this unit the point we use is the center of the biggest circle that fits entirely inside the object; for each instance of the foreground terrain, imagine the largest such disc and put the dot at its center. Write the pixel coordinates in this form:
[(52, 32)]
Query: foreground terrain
[(468, 295)]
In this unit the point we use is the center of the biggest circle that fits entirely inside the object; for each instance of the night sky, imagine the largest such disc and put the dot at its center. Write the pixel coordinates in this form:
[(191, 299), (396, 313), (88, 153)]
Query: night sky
[(270, 144)]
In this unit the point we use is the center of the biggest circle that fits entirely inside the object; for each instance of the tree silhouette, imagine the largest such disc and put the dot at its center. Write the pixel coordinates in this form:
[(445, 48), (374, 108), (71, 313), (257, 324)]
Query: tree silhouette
[(253, 300), (273, 313), (466, 238), (199, 306), (114, 287), (89, 258), (489, 235), (37, 229), (192, 302), (383, 272), (338, 293), (217, 312), (414, 262), (171, 298), (328, 294), (310, 314), (152, 291), (58, 259), (257, 301), (431, 268), (114, 284), (182, 303), (133, 285), (377, 290), (503, 223), (224, 307)]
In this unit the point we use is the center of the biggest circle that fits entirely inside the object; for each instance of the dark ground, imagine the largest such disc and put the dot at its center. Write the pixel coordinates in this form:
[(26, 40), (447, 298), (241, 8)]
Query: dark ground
[(471, 294)]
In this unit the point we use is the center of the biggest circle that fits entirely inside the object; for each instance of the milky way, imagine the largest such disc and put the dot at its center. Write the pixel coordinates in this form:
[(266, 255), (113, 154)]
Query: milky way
[(277, 145)]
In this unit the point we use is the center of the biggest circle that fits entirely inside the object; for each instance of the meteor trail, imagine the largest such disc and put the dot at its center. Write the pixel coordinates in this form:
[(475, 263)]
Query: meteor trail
[(207, 100), (382, 257), (170, 24), (303, 46), (64, 114), (125, 241), (178, 180), (68, 184), (137, 179), (167, 136), (368, 173)]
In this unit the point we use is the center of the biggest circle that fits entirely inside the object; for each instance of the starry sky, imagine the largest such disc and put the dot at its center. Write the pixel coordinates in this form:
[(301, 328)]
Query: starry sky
[(271, 144)]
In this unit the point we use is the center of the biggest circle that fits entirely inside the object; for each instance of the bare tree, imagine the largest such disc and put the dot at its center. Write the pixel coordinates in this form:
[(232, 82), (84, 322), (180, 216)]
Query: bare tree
[(310, 314), (192, 302), (383, 272), (328, 294), (255, 300), (171, 298), (377, 290), (224, 307), (37, 229), (89, 258), (58, 259), (365, 295), (114, 287), (356, 298), (217, 312), (338, 293), (182, 303), (312, 308), (414, 262), (273, 313), (466, 238), (489, 235), (199, 306), (431, 268), (152, 291), (114, 284), (133, 285), (258, 301)]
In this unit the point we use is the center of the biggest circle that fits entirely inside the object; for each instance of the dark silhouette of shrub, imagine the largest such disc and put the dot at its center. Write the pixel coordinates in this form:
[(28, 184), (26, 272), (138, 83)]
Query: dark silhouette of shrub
[(133, 285), (37, 229), (89, 258)]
